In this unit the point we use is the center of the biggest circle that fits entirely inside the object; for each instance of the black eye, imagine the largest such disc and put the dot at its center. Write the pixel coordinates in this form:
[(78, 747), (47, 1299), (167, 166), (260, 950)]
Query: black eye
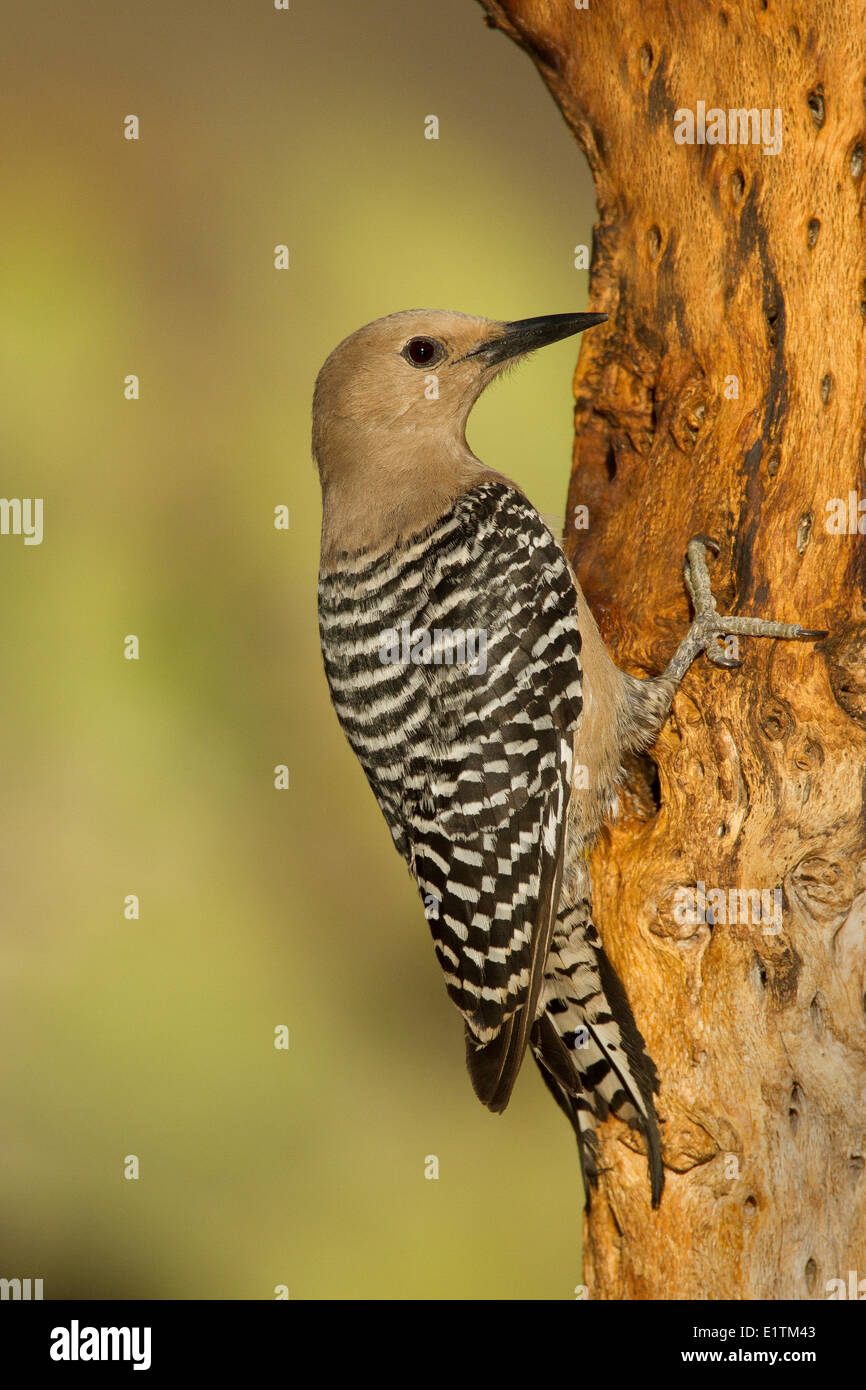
[(421, 352)]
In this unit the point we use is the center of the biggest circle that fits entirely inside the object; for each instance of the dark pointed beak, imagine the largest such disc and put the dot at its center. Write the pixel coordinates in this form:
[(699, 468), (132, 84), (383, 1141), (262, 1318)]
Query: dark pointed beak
[(525, 335)]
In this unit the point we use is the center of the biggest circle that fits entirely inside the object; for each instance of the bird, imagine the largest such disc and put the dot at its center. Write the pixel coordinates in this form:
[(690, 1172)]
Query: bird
[(473, 685)]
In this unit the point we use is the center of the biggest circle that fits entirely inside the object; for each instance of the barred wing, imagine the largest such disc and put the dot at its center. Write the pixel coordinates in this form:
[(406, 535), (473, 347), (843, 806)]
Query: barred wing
[(471, 764)]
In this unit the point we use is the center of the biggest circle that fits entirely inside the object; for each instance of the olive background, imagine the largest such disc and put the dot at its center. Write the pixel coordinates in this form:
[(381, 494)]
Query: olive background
[(259, 907)]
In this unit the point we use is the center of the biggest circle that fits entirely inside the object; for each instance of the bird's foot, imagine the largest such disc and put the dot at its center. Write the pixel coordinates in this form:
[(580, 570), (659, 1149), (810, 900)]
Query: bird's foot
[(710, 627)]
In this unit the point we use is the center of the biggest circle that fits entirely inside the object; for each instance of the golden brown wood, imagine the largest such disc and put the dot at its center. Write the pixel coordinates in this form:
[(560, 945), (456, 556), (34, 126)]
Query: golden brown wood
[(718, 262)]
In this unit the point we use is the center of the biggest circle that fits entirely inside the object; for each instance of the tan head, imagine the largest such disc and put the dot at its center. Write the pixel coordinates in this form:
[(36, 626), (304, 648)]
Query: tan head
[(390, 411)]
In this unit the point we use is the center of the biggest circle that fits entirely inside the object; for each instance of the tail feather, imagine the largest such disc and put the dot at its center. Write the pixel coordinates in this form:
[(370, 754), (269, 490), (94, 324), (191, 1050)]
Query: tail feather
[(588, 1046), (576, 1105)]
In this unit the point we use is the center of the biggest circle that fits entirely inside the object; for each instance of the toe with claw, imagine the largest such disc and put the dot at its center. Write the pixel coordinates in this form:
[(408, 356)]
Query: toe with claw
[(710, 626)]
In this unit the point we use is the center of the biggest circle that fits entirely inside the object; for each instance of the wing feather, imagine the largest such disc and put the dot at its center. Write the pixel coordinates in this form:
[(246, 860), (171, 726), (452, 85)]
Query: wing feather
[(471, 765)]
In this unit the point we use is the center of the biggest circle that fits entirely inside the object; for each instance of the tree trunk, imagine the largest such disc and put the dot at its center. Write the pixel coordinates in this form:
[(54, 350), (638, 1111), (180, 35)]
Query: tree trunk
[(726, 395)]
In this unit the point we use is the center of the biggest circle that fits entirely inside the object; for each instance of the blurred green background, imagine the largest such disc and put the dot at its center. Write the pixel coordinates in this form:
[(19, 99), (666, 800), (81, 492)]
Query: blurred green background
[(155, 777)]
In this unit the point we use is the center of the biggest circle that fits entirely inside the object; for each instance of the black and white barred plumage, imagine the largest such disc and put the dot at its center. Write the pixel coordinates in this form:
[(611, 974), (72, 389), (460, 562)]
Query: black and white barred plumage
[(585, 1025), (472, 769)]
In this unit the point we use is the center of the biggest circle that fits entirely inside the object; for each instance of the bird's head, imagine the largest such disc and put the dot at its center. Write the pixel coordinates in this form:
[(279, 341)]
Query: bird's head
[(391, 401)]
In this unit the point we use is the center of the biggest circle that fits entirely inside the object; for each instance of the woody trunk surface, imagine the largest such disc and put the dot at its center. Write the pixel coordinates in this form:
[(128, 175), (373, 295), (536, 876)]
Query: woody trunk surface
[(726, 395)]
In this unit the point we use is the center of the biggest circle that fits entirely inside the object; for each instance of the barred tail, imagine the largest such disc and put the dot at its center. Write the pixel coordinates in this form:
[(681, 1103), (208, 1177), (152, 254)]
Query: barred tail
[(587, 1044)]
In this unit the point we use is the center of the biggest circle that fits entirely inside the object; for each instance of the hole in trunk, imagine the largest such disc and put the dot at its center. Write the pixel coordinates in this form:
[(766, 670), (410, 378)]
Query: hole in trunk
[(772, 317), (815, 101), (653, 784), (642, 777), (610, 462)]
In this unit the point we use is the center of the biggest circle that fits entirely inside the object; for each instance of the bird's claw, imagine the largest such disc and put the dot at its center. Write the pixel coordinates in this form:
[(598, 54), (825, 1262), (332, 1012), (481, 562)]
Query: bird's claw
[(710, 626), (720, 658), (706, 541)]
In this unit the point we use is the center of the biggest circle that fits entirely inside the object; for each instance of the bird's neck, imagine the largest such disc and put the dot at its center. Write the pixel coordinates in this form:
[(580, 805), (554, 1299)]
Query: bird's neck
[(368, 507)]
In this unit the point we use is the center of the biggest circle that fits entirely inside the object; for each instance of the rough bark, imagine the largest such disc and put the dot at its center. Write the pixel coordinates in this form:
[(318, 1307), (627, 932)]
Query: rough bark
[(718, 261)]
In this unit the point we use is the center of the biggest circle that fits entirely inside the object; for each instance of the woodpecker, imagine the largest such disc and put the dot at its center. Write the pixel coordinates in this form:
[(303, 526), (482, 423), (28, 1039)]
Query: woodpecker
[(471, 680)]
